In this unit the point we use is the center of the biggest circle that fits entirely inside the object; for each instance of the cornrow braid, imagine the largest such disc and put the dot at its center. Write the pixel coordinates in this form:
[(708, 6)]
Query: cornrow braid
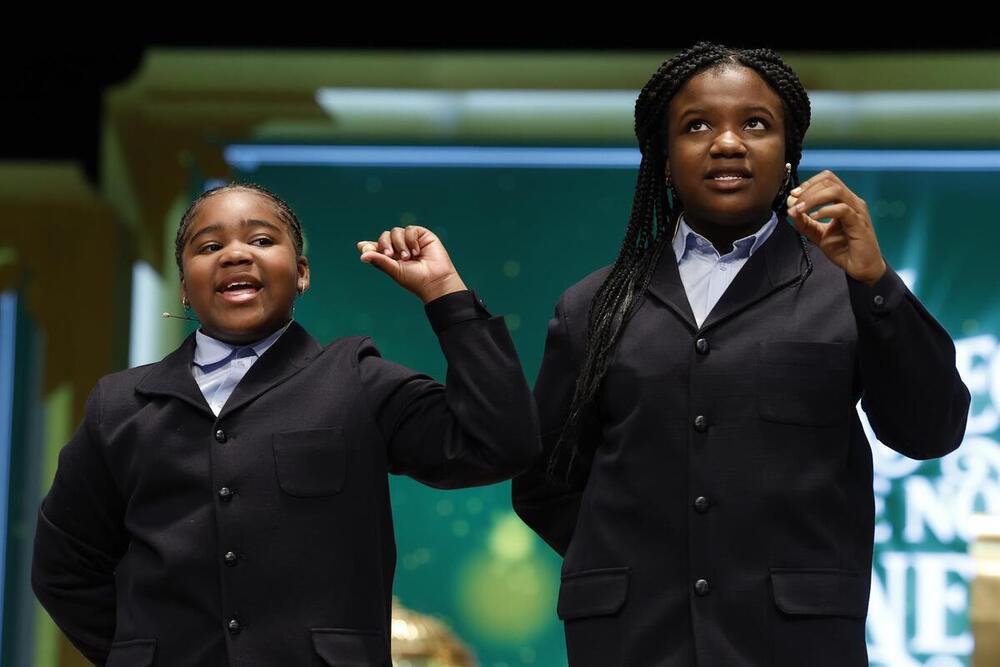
[(284, 211), (655, 209)]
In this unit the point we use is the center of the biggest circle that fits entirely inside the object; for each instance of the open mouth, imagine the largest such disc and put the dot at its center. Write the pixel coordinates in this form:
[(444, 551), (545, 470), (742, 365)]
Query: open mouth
[(240, 291), (728, 180)]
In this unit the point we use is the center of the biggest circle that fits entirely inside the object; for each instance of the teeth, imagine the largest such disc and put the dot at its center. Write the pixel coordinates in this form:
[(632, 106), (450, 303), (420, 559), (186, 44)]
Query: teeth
[(728, 177)]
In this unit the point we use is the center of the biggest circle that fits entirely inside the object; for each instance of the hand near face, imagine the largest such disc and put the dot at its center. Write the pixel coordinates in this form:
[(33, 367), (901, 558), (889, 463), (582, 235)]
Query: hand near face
[(848, 240), (416, 259)]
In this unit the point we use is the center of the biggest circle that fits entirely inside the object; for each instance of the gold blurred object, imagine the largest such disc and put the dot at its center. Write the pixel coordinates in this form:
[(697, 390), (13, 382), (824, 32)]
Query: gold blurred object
[(984, 612), (422, 641)]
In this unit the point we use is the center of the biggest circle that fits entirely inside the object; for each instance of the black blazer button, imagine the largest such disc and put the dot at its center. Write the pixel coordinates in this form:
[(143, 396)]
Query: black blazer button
[(701, 504), (220, 435), (701, 587), (234, 626), (700, 423), (230, 558), (702, 346), (225, 494)]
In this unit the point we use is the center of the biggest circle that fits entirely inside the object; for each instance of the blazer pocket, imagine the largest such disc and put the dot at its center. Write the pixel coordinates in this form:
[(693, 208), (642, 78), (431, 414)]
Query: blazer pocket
[(811, 592), (587, 593), (805, 383), (132, 653), (345, 647), (310, 463)]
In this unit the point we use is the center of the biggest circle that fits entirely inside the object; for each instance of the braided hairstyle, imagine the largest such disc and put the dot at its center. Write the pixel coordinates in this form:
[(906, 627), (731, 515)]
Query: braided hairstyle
[(655, 207), (284, 212)]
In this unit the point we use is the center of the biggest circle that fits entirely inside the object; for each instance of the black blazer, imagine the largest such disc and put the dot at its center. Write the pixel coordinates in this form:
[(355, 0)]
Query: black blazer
[(264, 536), (727, 519)]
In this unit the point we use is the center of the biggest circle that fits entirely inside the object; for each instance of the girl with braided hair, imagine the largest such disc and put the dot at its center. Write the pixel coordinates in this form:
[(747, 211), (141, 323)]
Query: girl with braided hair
[(705, 474)]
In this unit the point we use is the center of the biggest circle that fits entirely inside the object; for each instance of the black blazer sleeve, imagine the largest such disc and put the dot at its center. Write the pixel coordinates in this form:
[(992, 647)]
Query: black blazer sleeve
[(912, 393), (80, 539), (480, 427), (550, 508)]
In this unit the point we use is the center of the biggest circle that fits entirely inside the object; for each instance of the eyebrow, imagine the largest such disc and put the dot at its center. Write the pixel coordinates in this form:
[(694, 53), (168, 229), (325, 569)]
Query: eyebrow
[(246, 223), (753, 108)]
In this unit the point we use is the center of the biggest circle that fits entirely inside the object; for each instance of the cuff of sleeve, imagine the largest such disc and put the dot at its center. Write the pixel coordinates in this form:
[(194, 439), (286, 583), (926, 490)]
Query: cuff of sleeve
[(881, 298), (450, 309)]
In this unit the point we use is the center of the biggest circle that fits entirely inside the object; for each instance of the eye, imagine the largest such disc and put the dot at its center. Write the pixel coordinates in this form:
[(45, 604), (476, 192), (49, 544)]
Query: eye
[(209, 247), (756, 124), (262, 241), (697, 126)]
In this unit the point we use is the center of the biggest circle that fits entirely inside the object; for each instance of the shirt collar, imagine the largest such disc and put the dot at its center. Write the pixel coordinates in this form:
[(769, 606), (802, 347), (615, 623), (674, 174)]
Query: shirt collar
[(210, 350), (686, 239)]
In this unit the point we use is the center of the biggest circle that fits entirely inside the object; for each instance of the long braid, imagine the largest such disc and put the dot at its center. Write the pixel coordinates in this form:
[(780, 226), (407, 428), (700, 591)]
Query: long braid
[(654, 211)]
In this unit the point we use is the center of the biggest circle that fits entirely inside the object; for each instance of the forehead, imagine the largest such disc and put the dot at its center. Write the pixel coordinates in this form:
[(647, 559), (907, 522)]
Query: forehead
[(727, 88), (232, 206)]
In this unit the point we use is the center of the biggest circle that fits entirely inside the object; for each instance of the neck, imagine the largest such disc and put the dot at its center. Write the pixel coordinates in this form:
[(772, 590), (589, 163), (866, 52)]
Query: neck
[(242, 338)]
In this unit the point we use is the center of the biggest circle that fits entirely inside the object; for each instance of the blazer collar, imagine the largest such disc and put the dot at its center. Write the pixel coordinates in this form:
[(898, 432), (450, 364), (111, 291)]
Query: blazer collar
[(292, 352), (777, 264)]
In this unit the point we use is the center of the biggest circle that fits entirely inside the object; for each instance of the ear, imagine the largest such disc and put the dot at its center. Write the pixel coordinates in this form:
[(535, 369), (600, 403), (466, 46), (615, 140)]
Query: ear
[(302, 282)]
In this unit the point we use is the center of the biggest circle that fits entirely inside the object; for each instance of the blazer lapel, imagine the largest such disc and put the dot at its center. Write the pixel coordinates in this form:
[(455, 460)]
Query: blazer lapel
[(172, 377), (292, 352), (666, 285), (777, 264)]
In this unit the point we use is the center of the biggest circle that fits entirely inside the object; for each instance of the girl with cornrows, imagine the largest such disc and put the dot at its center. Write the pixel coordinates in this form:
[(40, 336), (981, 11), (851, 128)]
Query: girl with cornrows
[(229, 505)]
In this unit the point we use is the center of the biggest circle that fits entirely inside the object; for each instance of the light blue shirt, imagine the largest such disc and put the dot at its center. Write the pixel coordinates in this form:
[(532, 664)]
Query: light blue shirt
[(218, 367), (704, 273)]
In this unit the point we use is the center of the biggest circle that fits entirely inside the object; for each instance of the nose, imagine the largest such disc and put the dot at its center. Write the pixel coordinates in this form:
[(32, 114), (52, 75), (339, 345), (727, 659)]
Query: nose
[(234, 254), (728, 144)]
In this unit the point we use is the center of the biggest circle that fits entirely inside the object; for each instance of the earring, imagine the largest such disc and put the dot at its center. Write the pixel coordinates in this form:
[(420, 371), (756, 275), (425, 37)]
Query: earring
[(185, 303), (780, 200)]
